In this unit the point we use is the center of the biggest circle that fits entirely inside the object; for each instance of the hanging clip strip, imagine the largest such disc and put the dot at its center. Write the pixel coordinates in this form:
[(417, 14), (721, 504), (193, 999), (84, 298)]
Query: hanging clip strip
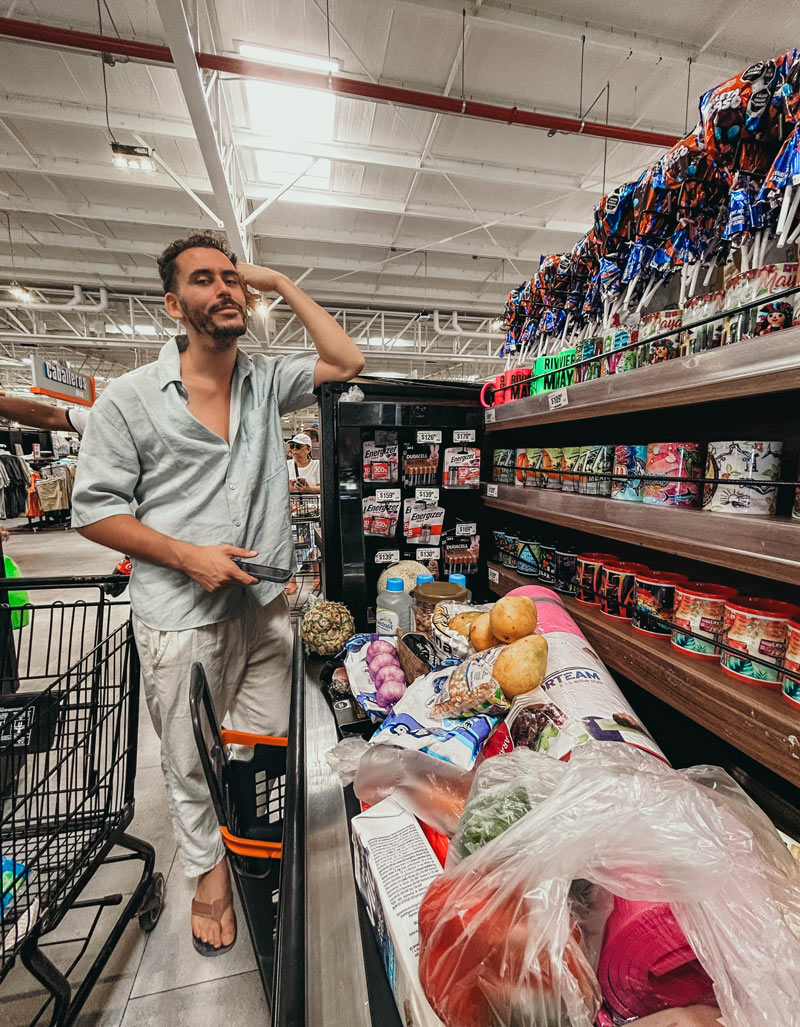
[(512, 115)]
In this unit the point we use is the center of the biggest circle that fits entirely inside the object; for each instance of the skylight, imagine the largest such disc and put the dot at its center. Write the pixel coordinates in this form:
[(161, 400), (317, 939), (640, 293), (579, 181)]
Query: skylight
[(290, 115)]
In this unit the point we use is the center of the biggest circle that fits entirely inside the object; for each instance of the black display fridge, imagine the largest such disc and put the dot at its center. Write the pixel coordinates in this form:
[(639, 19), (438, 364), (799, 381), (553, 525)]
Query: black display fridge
[(401, 471)]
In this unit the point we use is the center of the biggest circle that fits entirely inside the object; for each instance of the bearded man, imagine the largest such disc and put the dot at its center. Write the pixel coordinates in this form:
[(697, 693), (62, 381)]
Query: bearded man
[(195, 438)]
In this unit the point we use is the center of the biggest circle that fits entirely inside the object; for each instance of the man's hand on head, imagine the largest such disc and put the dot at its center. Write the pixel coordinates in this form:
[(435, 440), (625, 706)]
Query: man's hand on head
[(264, 279)]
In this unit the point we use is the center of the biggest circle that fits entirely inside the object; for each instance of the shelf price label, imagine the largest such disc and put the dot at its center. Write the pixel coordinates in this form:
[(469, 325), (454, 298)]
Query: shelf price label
[(556, 399), (387, 556), (489, 417), (464, 435), (428, 554), (387, 495), (470, 528), (491, 491), (430, 437), (494, 576), (426, 495)]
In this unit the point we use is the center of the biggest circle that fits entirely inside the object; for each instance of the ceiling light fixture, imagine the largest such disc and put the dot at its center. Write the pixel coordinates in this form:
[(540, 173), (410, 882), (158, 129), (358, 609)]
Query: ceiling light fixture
[(133, 158), (16, 290)]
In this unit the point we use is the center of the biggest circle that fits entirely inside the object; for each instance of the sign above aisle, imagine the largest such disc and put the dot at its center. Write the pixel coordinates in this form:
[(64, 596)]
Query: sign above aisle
[(52, 379)]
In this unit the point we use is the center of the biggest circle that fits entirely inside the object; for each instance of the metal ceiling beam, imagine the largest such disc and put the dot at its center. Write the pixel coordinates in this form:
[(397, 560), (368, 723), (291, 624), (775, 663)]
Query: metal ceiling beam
[(521, 18), (87, 171), (230, 206)]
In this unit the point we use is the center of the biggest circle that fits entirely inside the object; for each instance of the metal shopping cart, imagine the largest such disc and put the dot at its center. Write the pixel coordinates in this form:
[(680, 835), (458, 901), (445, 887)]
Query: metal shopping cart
[(69, 703)]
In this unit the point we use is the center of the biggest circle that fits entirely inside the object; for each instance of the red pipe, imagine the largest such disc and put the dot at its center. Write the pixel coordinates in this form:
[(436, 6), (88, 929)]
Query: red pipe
[(152, 53)]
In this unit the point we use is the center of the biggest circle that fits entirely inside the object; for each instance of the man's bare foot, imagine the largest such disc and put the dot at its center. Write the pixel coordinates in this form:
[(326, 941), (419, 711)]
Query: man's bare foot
[(292, 587), (211, 887)]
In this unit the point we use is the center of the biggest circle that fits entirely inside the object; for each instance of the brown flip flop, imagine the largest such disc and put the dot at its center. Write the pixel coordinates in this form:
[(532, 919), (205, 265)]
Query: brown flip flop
[(213, 911)]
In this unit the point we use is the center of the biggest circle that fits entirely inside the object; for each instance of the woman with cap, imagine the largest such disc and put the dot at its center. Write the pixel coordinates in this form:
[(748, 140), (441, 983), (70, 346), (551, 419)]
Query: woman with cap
[(303, 470)]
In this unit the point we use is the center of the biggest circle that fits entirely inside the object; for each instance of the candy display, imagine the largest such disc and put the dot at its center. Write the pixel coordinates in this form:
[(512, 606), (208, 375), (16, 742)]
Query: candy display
[(655, 324), (698, 615), (756, 628), (654, 602), (630, 462), (670, 460), (733, 461)]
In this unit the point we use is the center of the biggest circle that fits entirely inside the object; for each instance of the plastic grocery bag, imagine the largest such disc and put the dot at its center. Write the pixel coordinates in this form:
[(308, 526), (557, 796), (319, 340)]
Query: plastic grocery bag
[(501, 938), (19, 618)]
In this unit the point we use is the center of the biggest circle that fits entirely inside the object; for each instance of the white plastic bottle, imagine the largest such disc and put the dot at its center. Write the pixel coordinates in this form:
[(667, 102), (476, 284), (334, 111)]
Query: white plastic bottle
[(393, 609), (460, 579)]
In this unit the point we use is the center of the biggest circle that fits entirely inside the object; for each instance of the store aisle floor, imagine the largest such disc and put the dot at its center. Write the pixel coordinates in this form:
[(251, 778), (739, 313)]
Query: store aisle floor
[(151, 979)]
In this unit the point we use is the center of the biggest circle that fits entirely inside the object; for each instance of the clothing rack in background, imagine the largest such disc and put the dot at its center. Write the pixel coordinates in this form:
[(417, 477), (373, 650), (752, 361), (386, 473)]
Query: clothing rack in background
[(15, 477)]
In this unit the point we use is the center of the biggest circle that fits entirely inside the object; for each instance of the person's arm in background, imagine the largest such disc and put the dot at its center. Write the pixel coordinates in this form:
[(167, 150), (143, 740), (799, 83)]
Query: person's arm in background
[(34, 413), (339, 357)]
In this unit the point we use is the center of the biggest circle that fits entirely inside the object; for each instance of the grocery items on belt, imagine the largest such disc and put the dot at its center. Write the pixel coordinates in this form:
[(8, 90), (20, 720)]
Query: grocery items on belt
[(326, 627), (405, 569), (393, 609)]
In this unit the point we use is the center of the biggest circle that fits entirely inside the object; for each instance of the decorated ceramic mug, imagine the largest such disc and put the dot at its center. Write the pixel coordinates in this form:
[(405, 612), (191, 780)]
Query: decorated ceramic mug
[(596, 464), (569, 460), (616, 588), (791, 663), (630, 463), (527, 557), (551, 467), (698, 615), (654, 601), (589, 568), (747, 468), (547, 564), (757, 630), (566, 569), (670, 460)]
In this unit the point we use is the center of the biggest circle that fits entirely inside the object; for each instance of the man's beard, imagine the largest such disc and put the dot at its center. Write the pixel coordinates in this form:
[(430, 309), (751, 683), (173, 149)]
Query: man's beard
[(224, 335)]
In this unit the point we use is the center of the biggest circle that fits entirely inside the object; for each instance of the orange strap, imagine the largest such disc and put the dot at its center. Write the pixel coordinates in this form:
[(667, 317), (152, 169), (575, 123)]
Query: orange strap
[(250, 847), (245, 738)]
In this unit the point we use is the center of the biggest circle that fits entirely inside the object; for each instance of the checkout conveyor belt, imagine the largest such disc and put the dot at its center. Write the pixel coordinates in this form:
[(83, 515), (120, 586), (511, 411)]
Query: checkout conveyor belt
[(328, 969)]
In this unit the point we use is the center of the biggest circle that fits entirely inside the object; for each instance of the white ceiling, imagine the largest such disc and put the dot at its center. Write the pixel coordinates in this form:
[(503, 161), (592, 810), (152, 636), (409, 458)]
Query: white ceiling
[(399, 226)]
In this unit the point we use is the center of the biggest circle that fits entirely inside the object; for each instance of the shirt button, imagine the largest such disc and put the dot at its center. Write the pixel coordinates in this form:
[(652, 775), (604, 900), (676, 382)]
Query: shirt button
[(231, 487), (237, 523)]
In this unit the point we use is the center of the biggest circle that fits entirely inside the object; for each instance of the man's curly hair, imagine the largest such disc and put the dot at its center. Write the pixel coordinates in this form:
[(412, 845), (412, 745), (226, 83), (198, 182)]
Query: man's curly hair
[(209, 240)]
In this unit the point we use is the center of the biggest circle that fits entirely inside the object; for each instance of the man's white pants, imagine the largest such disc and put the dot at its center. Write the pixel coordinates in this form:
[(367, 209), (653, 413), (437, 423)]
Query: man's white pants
[(248, 662)]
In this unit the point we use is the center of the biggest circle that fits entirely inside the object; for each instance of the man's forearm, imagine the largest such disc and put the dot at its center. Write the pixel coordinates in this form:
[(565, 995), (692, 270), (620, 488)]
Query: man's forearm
[(34, 413), (127, 535), (333, 344)]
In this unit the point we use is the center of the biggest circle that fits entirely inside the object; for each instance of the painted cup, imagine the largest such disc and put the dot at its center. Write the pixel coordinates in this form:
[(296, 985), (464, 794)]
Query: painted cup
[(521, 466), (569, 460), (527, 557), (551, 467), (533, 478), (630, 463), (698, 616), (791, 663), (589, 569), (744, 466), (668, 460), (757, 630), (616, 588), (510, 552), (654, 602), (596, 464), (566, 568), (547, 564)]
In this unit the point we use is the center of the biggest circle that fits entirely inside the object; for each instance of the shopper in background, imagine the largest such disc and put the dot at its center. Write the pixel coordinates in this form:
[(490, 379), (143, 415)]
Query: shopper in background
[(196, 439), (46, 416), (303, 470)]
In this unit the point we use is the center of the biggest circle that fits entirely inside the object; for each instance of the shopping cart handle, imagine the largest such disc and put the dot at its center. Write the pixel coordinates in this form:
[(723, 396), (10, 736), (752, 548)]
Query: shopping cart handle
[(262, 571)]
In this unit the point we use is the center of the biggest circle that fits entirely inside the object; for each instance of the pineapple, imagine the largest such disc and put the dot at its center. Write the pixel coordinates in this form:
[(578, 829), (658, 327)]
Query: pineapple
[(326, 627)]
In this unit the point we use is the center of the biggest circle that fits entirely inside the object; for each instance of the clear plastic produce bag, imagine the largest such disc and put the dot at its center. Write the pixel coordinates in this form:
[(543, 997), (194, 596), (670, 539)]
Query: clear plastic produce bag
[(503, 939)]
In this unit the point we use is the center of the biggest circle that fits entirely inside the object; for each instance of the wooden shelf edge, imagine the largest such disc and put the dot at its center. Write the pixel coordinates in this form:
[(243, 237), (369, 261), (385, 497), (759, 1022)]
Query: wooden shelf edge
[(751, 367), (754, 720), (723, 540)]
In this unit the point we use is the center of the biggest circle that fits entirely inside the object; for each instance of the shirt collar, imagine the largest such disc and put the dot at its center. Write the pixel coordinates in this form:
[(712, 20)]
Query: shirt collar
[(169, 362)]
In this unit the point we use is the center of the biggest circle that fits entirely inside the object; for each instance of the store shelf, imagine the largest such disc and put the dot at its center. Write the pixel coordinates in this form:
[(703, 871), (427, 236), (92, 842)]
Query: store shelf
[(753, 367), (753, 719), (766, 546)]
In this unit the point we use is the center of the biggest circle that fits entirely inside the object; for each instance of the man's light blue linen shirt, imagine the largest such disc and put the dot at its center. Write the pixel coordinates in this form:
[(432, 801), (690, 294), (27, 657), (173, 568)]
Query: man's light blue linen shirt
[(143, 444)]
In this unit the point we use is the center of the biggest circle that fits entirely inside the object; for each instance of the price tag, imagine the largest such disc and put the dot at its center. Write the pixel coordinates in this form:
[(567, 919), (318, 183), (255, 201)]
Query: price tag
[(388, 495), (387, 556), (491, 491), (429, 436), (428, 554), (556, 399), (426, 495), (466, 529), (464, 435), (494, 576), (489, 417)]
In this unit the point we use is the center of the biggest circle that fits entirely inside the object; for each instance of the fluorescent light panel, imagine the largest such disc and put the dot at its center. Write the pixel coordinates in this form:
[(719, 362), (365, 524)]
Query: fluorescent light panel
[(289, 114)]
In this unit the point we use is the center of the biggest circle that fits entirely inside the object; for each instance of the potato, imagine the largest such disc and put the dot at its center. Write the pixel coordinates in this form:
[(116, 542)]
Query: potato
[(480, 634), (462, 621), (521, 666), (513, 617)]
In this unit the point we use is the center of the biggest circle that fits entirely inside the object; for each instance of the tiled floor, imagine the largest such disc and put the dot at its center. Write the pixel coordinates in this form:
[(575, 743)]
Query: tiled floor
[(151, 979)]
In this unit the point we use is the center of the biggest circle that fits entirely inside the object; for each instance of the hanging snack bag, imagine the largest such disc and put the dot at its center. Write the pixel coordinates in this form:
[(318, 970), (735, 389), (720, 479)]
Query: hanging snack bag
[(462, 468), (450, 635), (380, 463)]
